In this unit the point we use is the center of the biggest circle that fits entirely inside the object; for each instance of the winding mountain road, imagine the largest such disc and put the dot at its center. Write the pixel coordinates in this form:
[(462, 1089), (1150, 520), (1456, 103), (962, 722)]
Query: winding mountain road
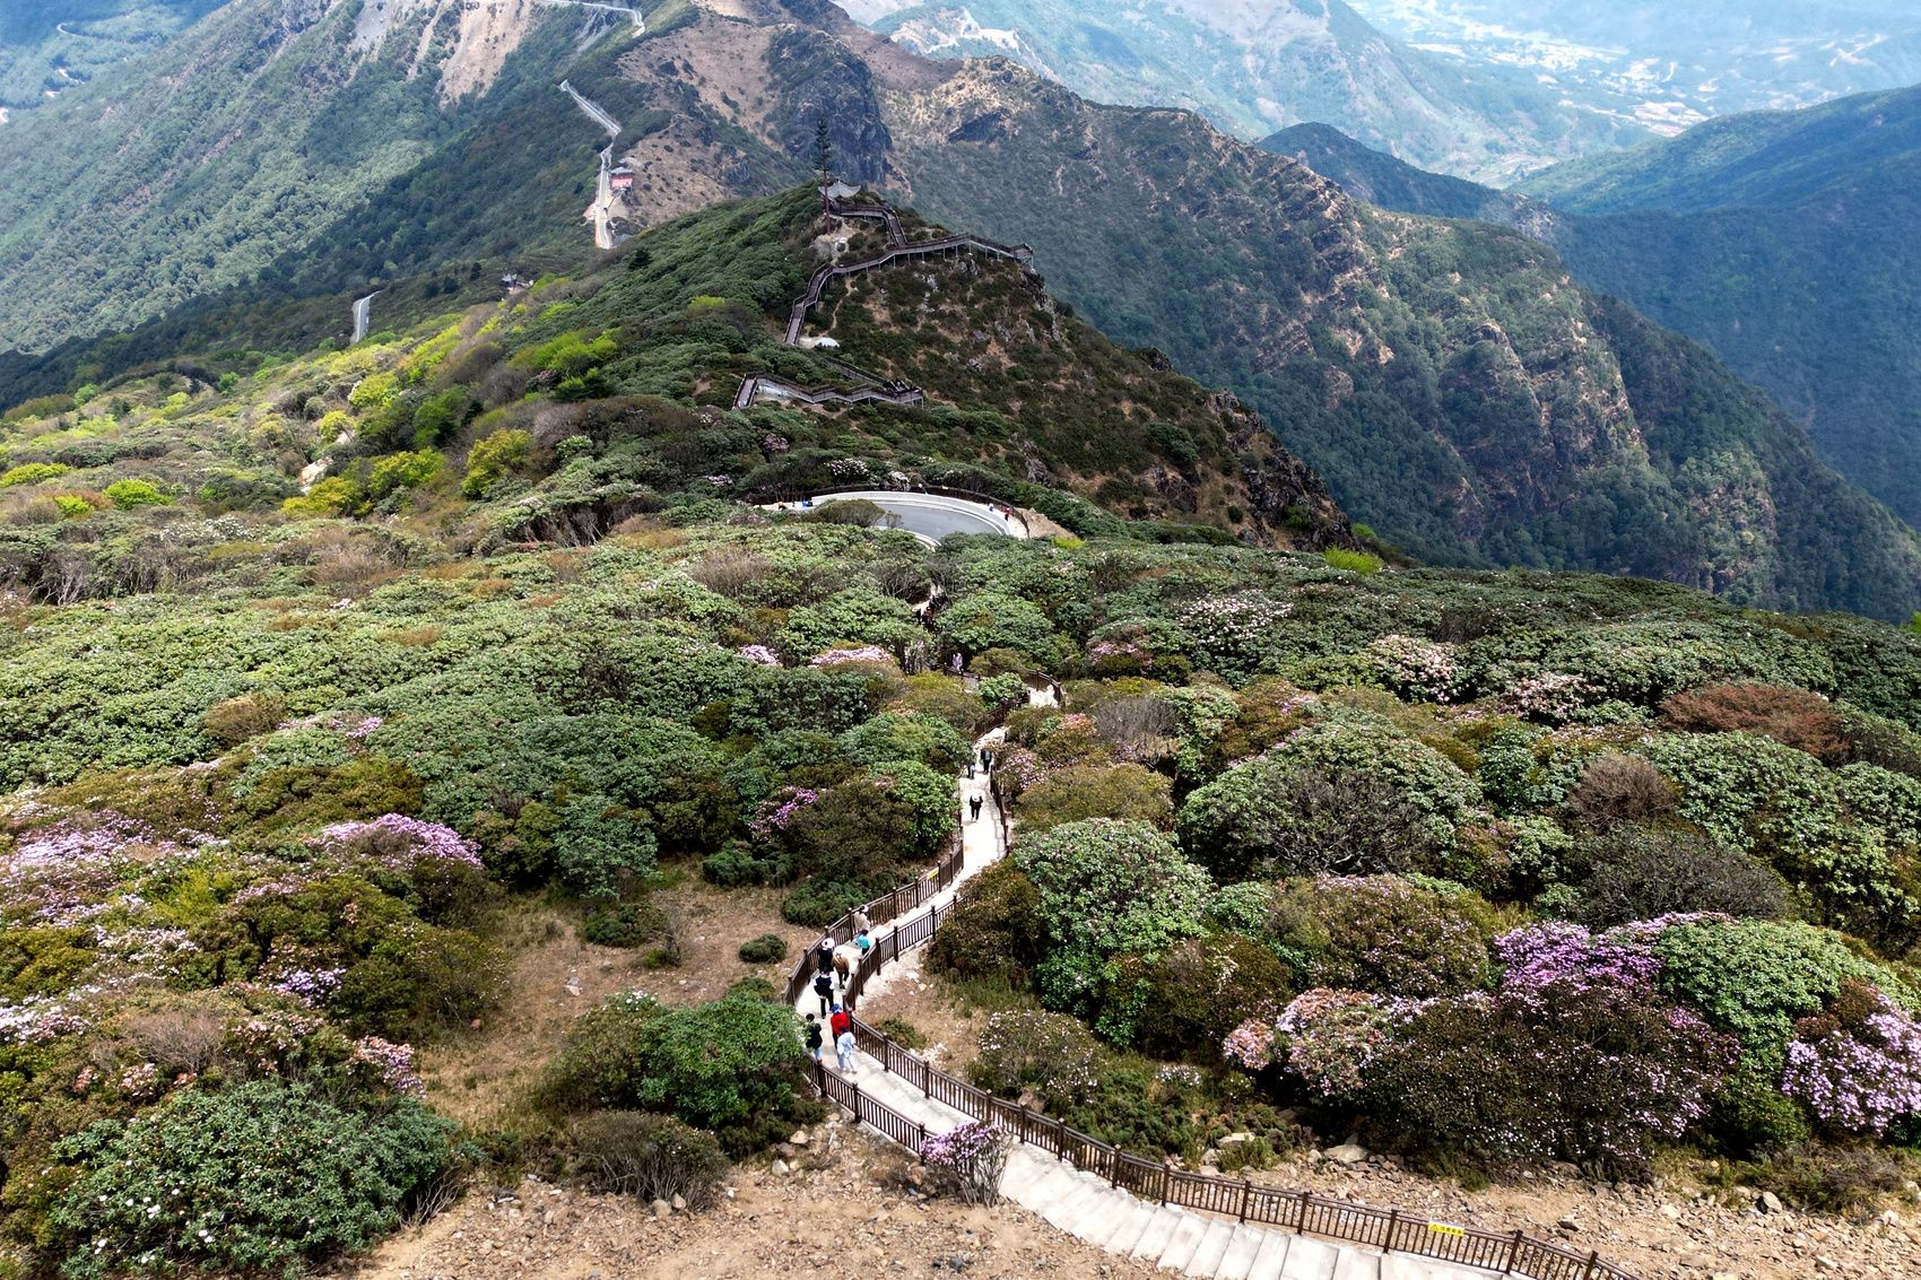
[(363, 308), (602, 209), (640, 22)]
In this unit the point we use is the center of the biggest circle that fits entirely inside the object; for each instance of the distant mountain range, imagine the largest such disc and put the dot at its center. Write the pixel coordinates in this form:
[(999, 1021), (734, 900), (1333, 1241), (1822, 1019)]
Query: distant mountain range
[(1252, 68), (1672, 65), (1454, 387), (1789, 242)]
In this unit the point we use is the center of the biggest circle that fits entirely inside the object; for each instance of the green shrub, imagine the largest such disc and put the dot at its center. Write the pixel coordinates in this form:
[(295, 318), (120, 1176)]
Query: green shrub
[(129, 494), (733, 1066), (1381, 934), (735, 865), (1642, 870), (768, 948), (261, 1177), (901, 1032), (1181, 1005), (626, 924), (647, 1156), (1128, 792), (1361, 562), (996, 930), (491, 459), (32, 473), (818, 903)]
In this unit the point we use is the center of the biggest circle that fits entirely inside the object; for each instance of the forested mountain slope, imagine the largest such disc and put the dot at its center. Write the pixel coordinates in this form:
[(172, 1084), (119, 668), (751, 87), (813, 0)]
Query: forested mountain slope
[(1784, 241), (1456, 390), (243, 141)]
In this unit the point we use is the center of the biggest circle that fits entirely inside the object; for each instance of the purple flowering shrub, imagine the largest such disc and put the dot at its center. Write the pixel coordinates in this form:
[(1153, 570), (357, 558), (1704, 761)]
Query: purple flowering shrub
[(1594, 1075), (1857, 1065)]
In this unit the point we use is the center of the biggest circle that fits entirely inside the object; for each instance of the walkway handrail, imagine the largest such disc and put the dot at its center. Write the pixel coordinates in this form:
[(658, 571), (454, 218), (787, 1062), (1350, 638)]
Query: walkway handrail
[(797, 317), (1389, 1230), (751, 387)]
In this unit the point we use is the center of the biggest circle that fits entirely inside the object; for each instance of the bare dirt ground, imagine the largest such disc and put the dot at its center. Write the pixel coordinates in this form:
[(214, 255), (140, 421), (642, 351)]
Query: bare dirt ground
[(835, 1215), (484, 1076)]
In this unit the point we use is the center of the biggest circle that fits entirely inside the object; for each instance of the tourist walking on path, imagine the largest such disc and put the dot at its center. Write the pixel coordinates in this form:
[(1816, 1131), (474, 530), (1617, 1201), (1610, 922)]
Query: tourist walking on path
[(844, 1050), (861, 923), (813, 1037), (974, 806), (842, 966), (841, 1022), (824, 988)]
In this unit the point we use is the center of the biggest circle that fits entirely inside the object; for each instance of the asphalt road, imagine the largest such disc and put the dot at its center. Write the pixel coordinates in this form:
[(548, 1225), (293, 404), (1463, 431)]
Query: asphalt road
[(931, 517)]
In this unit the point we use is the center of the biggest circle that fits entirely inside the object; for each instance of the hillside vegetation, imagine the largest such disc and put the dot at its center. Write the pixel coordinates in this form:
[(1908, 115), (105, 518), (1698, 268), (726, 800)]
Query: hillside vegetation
[(1458, 393), (291, 772), (1258, 68)]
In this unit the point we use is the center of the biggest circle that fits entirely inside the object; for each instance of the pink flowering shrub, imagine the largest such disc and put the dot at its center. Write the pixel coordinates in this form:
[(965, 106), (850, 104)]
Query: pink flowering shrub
[(390, 1064), (1551, 696), (759, 654), (856, 655), (969, 1160), (1328, 1039), (1418, 669), (396, 842), (1857, 1067)]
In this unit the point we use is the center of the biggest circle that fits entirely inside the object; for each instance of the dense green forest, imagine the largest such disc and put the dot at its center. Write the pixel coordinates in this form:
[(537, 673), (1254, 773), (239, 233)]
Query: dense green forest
[(1782, 240)]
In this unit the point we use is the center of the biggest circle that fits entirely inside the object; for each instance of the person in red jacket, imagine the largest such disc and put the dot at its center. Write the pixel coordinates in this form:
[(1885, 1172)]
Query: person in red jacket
[(841, 1021)]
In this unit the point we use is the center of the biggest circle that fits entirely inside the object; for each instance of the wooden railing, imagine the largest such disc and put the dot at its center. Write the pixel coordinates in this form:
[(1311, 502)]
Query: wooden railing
[(781, 389), (797, 316), (1389, 1230)]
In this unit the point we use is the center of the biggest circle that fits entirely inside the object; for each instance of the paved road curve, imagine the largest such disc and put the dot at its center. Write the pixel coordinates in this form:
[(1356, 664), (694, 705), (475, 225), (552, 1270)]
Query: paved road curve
[(362, 307), (931, 517)]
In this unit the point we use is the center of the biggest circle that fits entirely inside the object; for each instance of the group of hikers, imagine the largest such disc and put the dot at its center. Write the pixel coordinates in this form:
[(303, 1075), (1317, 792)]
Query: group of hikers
[(834, 964)]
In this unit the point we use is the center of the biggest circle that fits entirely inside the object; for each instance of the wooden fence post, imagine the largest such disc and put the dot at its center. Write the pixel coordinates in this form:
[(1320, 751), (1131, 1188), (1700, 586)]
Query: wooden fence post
[(1300, 1211), (1247, 1193), (1513, 1254), (1393, 1221), (1593, 1261)]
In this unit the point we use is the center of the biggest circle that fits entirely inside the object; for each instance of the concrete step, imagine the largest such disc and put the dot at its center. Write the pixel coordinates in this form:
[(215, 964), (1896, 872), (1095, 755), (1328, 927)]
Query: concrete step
[(1311, 1259), (1242, 1249), (1272, 1256), (1071, 1213), (1159, 1230), (1126, 1231), (1211, 1249), (1185, 1240), (1351, 1264), (1044, 1193)]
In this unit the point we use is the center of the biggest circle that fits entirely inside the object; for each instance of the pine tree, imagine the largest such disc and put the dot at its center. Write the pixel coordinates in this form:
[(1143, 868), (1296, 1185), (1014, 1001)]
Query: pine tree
[(823, 149)]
